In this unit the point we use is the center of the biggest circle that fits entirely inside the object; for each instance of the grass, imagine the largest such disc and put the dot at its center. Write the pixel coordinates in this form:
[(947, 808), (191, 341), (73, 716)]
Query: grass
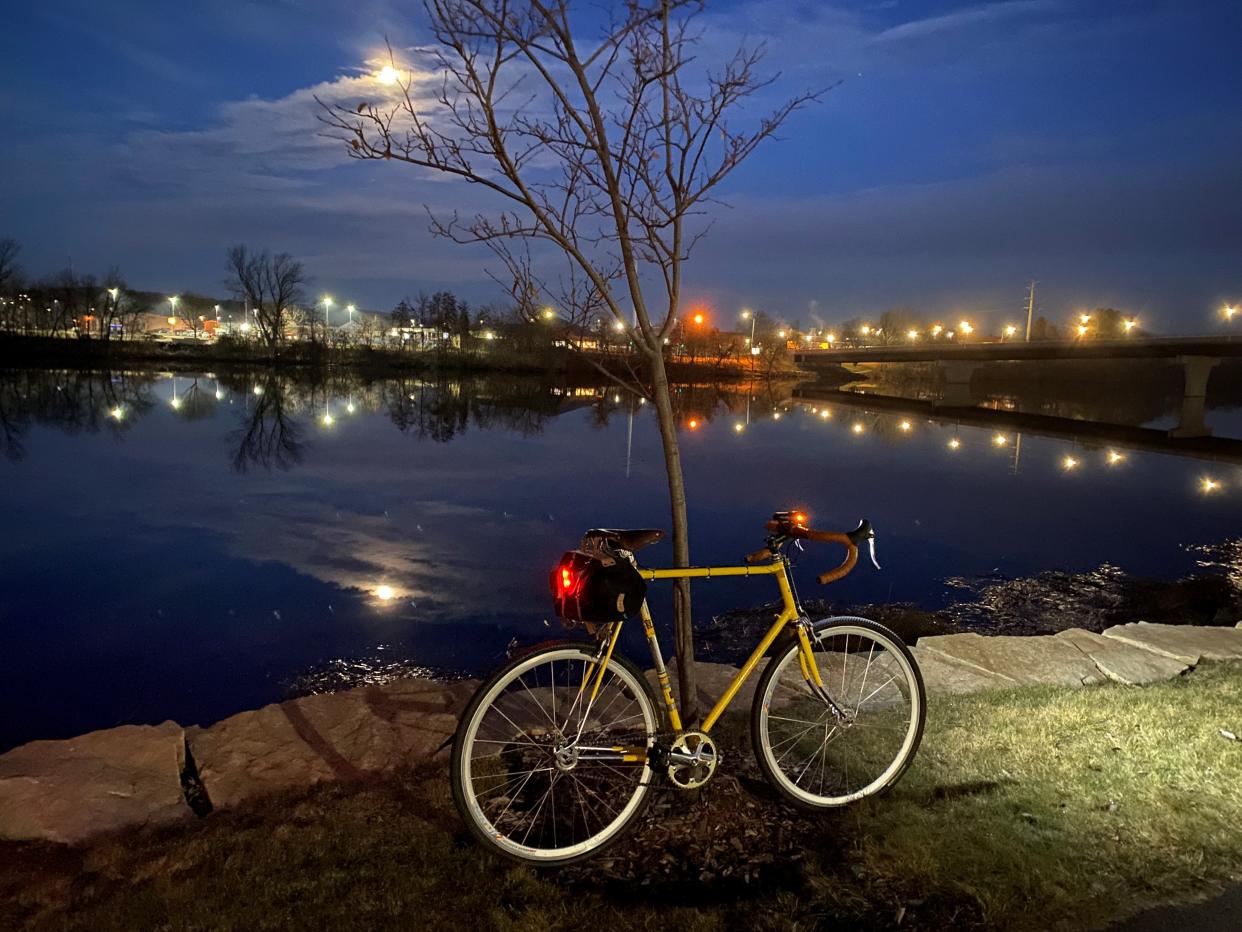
[(1027, 809)]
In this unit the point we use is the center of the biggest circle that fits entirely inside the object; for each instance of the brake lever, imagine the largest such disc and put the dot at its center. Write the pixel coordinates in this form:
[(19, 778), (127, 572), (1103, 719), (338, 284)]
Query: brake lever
[(871, 547)]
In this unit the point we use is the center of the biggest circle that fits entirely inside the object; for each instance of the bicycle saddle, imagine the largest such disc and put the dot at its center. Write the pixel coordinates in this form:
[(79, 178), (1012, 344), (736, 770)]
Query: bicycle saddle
[(627, 540)]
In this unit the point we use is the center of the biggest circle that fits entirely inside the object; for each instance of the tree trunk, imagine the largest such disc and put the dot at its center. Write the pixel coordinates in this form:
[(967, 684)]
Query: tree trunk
[(681, 540)]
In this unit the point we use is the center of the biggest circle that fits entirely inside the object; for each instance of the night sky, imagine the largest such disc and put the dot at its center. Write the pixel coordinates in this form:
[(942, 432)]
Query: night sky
[(1096, 147)]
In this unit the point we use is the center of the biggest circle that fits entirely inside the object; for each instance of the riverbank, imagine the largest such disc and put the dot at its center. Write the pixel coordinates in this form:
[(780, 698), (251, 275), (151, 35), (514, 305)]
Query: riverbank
[(1029, 808), (1046, 603), (196, 356)]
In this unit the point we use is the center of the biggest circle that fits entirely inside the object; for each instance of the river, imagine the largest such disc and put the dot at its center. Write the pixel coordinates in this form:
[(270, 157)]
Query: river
[(189, 546)]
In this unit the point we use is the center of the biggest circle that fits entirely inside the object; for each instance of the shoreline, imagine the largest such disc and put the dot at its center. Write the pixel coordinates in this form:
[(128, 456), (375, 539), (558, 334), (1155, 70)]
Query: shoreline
[(18, 351)]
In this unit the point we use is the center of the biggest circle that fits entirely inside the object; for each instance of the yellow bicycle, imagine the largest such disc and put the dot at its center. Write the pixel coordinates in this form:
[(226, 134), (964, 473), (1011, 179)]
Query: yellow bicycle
[(558, 752)]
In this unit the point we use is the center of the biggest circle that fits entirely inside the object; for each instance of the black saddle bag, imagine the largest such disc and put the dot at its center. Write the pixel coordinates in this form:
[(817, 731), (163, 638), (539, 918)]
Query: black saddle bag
[(596, 587)]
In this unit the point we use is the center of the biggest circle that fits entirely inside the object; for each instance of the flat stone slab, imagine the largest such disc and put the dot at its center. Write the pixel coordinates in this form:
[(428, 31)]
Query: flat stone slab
[(944, 675), (712, 681), (1181, 642), (1023, 661), (334, 736), (1122, 662), (70, 791)]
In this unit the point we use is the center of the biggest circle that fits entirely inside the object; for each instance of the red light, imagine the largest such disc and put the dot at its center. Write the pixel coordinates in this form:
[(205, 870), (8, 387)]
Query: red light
[(567, 581), (799, 518)]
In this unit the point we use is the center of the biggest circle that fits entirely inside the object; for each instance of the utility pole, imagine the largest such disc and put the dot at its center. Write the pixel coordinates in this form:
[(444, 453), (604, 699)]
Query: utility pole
[(1030, 309)]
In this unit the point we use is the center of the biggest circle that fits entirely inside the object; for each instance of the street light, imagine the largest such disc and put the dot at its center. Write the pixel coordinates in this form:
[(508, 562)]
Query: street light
[(937, 330), (965, 327), (1010, 330), (548, 313), (1129, 325), (1229, 311), (350, 308), (912, 335), (748, 315), (698, 319), (1084, 318)]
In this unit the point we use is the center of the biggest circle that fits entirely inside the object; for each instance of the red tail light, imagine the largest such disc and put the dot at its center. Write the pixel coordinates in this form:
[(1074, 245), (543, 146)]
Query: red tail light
[(567, 578)]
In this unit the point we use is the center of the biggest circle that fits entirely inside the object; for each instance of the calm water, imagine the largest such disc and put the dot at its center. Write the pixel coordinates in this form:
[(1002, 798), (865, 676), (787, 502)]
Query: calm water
[(186, 548)]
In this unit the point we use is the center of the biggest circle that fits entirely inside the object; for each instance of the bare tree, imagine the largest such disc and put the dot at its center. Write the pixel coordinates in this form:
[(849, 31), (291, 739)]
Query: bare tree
[(9, 270), (611, 157), (271, 285)]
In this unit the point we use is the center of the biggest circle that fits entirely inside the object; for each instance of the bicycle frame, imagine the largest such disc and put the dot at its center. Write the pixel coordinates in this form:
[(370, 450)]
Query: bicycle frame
[(790, 612)]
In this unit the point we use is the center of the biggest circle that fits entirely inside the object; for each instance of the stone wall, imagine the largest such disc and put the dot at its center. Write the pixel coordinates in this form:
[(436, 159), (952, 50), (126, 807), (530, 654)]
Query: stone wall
[(135, 775)]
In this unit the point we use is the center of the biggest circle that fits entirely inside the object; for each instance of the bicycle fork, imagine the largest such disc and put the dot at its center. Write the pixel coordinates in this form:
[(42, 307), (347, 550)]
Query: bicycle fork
[(810, 672)]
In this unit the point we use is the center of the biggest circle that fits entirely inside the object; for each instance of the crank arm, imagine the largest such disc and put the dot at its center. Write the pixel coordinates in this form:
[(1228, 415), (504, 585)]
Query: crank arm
[(616, 754)]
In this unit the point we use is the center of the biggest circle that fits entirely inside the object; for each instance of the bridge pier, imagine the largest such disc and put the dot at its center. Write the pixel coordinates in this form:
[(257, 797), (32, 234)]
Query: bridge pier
[(957, 376), (1196, 370)]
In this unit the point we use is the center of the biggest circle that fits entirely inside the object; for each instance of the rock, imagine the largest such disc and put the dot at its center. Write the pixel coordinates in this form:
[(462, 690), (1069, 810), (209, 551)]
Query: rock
[(69, 791), (1025, 661), (334, 736), (1123, 662), (713, 680), (943, 675), (1189, 644)]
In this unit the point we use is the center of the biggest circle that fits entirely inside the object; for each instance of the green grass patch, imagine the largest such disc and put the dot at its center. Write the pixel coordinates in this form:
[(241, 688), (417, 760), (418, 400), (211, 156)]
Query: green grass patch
[(1034, 808)]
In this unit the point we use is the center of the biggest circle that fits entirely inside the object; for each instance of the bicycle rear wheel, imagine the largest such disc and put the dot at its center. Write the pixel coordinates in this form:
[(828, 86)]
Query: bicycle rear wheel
[(538, 771), (857, 737)]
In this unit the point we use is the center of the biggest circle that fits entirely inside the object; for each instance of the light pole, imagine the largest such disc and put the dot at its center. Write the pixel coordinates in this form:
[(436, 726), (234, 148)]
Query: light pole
[(747, 314)]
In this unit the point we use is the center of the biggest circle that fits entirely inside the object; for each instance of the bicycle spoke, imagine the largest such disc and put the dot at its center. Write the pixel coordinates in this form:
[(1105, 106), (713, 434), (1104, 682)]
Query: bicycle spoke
[(824, 760), (525, 740)]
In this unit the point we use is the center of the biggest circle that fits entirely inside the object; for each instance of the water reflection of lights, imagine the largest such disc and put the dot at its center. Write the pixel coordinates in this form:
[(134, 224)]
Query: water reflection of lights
[(117, 413), (739, 427), (1066, 462), (258, 389)]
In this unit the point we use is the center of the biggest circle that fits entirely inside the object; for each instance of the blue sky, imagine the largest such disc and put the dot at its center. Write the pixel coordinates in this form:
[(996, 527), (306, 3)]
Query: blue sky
[(969, 148)]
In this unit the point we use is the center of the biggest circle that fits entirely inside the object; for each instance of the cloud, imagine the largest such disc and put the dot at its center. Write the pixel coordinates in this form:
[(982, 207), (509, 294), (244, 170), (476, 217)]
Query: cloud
[(964, 18)]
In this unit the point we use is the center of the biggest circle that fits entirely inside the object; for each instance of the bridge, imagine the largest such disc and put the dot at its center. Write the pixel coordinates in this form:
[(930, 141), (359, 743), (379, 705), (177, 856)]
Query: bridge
[(1197, 356)]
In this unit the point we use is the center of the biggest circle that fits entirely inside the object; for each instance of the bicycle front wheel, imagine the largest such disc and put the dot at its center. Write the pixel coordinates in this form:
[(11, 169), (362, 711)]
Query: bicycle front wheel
[(855, 737), (543, 773)]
